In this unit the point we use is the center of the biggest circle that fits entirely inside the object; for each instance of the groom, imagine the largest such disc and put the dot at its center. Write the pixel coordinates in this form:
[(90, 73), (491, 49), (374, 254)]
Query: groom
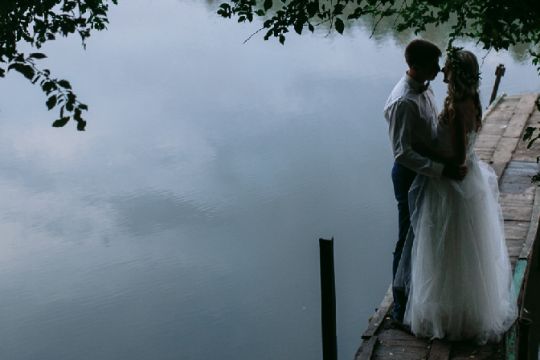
[(412, 118)]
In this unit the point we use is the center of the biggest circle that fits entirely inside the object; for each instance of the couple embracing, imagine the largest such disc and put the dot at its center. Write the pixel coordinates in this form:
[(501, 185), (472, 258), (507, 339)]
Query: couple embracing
[(451, 272)]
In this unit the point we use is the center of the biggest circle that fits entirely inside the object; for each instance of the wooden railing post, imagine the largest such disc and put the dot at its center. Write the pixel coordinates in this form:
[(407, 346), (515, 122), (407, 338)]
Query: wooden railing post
[(499, 72), (328, 299)]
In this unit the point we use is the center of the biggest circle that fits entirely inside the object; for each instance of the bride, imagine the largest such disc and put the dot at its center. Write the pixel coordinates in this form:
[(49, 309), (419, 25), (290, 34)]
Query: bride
[(460, 284)]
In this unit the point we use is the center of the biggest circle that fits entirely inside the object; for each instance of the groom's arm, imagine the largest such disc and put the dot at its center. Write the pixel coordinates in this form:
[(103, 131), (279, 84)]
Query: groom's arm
[(432, 152), (402, 118)]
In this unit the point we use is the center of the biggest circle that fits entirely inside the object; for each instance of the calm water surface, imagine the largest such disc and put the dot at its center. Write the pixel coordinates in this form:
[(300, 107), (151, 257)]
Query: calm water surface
[(184, 223)]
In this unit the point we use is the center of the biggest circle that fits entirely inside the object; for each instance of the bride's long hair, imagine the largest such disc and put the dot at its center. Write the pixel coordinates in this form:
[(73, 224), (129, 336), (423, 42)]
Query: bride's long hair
[(463, 77)]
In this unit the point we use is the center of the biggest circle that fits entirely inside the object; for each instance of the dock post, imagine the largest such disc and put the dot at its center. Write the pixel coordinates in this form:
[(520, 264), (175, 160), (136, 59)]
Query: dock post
[(328, 299), (499, 72), (525, 323)]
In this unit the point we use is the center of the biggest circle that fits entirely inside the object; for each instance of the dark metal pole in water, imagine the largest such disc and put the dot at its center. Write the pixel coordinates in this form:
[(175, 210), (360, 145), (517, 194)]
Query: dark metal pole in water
[(499, 72), (328, 299)]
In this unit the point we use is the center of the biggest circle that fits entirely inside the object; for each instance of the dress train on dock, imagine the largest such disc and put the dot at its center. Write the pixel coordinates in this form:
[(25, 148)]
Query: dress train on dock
[(460, 274)]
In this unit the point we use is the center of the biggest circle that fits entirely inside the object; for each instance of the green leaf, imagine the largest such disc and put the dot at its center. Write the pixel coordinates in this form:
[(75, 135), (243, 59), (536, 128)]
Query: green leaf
[(60, 122), (528, 133), (48, 86), (311, 28), (77, 115), (267, 5), (282, 39), (64, 84), (340, 26), (298, 26), (312, 8), (81, 125), (338, 9), (26, 70), (37, 56), (51, 102)]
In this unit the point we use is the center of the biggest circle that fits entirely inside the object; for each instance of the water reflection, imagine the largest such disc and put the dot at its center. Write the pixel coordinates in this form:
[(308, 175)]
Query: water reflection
[(186, 218), (151, 212)]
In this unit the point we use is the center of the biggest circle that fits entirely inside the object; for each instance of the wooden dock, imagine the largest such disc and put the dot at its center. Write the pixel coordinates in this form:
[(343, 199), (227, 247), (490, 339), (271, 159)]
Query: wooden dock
[(499, 144)]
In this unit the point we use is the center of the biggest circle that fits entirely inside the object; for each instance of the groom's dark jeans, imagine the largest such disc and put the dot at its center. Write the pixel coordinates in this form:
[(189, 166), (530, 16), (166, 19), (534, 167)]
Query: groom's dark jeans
[(402, 178)]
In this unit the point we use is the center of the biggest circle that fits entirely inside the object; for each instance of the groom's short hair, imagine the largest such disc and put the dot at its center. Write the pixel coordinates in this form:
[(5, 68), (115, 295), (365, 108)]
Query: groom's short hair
[(421, 52)]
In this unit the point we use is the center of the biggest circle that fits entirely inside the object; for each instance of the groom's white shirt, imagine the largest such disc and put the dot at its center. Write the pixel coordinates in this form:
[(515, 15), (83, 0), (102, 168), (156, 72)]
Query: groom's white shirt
[(412, 118)]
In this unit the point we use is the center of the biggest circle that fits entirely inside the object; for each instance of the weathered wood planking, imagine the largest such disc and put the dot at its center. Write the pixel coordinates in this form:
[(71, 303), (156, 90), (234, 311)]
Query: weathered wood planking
[(523, 153), (440, 350), (365, 352), (377, 319), (516, 229), (499, 144)]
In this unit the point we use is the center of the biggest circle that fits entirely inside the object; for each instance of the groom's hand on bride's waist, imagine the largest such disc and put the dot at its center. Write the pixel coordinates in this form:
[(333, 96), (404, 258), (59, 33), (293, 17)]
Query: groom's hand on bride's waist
[(454, 172)]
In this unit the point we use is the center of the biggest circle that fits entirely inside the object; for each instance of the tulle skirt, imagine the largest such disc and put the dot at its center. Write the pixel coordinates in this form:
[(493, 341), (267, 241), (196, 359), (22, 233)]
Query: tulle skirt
[(460, 284)]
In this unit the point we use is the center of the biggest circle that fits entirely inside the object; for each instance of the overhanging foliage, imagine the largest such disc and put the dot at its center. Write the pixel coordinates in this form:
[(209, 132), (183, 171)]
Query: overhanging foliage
[(35, 22), (497, 24)]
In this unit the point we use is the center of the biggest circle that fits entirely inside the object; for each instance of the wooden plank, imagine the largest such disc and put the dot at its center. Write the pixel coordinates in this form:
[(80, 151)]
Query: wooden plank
[(470, 350), (526, 198), (411, 343), (493, 105), (377, 319), (532, 234), (498, 168), (520, 166), (517, 177), (514, 251), (492, 129), (528, 155), (517, 213), (439, 350), (505, 148), (486, 141), (397, 334), (524, 153), (500, 117), (399, 353), (484, 155), (515, 243), (513, 97), (365, 352), (522, 112), (516, 229)]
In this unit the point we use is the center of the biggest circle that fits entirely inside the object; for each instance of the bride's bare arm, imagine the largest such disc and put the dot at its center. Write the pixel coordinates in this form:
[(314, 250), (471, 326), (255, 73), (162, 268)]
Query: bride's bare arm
[(463, 123)]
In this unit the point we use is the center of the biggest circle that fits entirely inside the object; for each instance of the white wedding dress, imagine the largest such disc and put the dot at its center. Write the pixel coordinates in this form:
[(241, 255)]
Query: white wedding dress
[(460, 274)]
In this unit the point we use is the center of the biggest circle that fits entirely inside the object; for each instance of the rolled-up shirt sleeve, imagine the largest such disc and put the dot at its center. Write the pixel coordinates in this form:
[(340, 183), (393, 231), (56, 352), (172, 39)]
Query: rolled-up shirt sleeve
[(402, 117)]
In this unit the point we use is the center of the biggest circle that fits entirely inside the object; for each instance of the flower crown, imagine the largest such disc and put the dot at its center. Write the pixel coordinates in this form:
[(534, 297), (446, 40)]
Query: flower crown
[(458, 70)]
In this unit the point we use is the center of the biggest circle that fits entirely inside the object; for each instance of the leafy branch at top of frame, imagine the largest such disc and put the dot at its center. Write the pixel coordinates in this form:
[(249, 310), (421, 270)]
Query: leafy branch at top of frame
[(496, 24), (36, 22)]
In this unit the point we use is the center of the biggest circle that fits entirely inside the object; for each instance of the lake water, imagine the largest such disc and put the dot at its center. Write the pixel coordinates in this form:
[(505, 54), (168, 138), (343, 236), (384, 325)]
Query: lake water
[(184, 223)]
